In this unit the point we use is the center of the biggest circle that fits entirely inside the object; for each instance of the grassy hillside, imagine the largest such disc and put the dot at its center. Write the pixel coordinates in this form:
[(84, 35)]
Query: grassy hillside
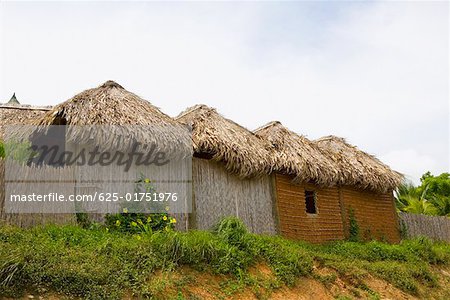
[(224, 263)]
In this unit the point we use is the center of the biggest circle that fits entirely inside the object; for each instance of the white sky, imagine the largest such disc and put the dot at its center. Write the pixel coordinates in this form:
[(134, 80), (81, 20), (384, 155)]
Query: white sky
[(376, 73)]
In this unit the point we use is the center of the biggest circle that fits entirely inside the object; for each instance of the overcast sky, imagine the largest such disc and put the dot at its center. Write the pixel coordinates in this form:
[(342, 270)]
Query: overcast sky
[(376, 73)]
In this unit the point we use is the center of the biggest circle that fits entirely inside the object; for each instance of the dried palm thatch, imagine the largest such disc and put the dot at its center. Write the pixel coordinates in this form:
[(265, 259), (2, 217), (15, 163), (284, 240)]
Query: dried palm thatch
[(297, 156), (132, 117), (223, 140), (19, 115), (358, 168)]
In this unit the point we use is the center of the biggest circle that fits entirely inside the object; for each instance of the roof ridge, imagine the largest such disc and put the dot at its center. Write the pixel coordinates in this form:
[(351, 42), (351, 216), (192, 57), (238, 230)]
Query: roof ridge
[(25, 107), (193, 108), (267, 125)]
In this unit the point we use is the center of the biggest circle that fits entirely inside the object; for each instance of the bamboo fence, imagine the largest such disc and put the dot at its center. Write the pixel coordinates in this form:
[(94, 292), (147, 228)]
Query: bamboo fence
[(434, 227)]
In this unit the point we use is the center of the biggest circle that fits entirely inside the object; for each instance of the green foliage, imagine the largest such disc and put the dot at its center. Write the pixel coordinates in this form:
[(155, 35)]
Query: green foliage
[(427, 250), (412, 199), (133, 218), (139, 222), (420, 206), (403, 230), (99, 264), (441, 205), (414, 250), (83, 220), (404, 265), (436, 185), (92, 263), (2, 150), (288, 260), (231, 230), (353, 227), (432, 197), (18, 151)]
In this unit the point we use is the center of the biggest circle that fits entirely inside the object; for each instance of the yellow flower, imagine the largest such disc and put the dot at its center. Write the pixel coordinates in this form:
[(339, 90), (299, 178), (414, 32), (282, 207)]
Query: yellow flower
[(117, 223), (173, 220), (167, 208), (134, 224), (147, 180), (125, 210), (165, 218)]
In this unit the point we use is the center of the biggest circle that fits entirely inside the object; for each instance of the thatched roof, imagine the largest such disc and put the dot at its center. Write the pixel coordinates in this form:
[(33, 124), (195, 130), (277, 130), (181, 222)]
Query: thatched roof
[(297, 156), (15, 115), (107, 104), (13, 101), (359, 168), (221, 139), (111, 104)]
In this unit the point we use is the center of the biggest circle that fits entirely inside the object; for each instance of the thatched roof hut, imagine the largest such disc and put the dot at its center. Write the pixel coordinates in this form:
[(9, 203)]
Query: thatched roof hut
[(358, 168), (223, 140), (297, 156), (19, 115), (110, 104), (13, 101)]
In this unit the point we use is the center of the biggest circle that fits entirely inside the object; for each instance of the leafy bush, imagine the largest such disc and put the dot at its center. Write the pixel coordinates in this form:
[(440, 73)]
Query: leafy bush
[(231, 230), (432, 197), (139, 222), (133, 218)]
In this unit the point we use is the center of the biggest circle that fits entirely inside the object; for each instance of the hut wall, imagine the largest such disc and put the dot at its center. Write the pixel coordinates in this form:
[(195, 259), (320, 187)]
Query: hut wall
[(33, 174), (113, 178), (217, 194), (374, 212), (295, 223)]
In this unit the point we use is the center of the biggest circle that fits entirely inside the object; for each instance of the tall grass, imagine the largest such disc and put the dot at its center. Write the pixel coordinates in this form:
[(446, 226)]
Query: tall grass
[(97, 264)]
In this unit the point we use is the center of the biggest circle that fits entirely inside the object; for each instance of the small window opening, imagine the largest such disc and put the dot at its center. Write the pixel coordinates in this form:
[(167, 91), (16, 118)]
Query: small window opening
[(310, 201)]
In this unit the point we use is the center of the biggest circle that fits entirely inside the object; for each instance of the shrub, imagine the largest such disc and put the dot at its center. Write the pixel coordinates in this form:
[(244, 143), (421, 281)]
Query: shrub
[(83, 220), (133, 218), (231, 230), (139, 222)]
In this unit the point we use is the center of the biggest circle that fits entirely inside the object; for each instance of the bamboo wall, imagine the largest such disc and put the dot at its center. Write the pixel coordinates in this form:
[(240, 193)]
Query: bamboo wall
[(83, 181), (173, 177), (31, 219), (295, 223), (435, 227), (217, 194), (375, 214)]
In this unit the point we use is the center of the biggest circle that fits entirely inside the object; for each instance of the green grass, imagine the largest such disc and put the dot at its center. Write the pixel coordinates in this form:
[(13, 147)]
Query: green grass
[(97, 264)]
